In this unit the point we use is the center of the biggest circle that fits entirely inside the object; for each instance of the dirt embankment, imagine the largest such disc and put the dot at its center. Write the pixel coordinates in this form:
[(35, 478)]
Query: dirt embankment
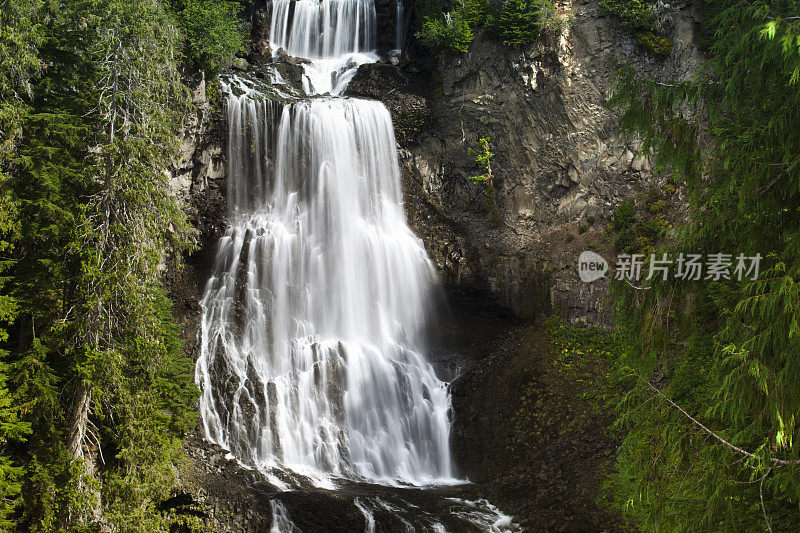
[(532, 424)]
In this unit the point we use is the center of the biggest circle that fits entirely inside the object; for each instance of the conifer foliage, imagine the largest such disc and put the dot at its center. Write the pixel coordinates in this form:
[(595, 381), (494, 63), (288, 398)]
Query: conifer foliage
[(95, 389), (449, 27), (212, 30), (518, 21), (712, 417)]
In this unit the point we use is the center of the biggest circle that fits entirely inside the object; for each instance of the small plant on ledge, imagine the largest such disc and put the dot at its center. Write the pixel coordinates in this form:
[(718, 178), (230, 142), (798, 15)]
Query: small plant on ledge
[(518, 22), (637, 17), (447, 27), (483, 157), (447, 32)]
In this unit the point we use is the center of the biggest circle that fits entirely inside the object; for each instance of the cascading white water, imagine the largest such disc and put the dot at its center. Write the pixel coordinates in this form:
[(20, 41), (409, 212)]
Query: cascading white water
[(281, 523), (313, 345), (399, 26), (320, 29), (369, 517), (312, 363), (338, 35)]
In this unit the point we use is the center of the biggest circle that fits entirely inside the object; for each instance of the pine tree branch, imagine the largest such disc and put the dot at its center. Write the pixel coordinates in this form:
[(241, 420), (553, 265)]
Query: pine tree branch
[(776, 178), (776, 461), (638, 288)]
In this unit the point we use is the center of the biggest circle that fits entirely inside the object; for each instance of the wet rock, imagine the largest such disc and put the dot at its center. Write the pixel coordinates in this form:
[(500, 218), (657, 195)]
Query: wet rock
[(260, 52), (283, 56), (376, 80), (385, 21), (523, 431)]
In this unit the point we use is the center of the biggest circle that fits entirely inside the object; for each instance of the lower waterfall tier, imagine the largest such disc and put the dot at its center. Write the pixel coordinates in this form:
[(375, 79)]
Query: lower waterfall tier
[(313, 332)]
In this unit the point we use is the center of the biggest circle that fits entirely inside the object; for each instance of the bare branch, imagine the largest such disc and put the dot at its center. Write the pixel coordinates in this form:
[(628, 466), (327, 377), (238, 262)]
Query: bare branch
[(775, 461)]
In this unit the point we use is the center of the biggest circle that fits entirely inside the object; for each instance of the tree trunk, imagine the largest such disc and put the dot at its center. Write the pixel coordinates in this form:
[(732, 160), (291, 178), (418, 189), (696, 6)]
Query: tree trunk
[(76, 444), (79, 417)]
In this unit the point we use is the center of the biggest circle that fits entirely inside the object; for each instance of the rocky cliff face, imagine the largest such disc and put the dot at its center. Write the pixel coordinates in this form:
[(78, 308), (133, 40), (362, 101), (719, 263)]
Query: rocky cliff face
[(198, 178), (560, 164)]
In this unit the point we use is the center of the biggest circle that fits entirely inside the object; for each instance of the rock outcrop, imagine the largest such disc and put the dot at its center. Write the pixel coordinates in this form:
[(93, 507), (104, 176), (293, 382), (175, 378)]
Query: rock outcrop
[(560, 164), (198, 179)]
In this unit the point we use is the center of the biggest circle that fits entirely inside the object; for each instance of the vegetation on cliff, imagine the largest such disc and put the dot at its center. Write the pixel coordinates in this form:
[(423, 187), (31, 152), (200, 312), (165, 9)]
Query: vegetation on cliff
[(483, 158), (213, 32), (449, 27), (95, 391), (448, 32), (711, 417), (638, 17)]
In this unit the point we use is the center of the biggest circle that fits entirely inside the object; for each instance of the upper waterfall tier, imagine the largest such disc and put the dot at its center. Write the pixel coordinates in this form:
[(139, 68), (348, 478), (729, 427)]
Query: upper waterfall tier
[(337, 35), (320, 29)]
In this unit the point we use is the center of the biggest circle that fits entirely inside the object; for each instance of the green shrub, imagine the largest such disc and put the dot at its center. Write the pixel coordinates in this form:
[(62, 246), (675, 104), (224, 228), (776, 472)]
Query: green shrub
[(657, 206), (652, 228), (624, 241), (624, 215), (624, 221), (655, 44), (476, 12), (450, 27), (638, 232), (483, 157), (637, 16), (213, 31), (448, 33), (518, 21), (634, 15)]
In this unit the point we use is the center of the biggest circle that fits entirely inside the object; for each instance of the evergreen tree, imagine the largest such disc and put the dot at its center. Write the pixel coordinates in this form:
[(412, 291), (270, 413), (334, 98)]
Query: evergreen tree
[(447, 32), (214, 34), (95, 367), (518, 21), (712, 445), (19, 38)]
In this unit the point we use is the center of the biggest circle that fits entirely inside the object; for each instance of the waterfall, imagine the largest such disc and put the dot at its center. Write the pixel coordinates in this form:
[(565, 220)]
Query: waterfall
[(339, 35), (399, 27), (313, 342), (369, 517), (281, 523), (321, 29)]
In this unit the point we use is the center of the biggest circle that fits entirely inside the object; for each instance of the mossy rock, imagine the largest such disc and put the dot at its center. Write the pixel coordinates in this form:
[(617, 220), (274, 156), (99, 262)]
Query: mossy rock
[(656, 45), (408, 125)]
